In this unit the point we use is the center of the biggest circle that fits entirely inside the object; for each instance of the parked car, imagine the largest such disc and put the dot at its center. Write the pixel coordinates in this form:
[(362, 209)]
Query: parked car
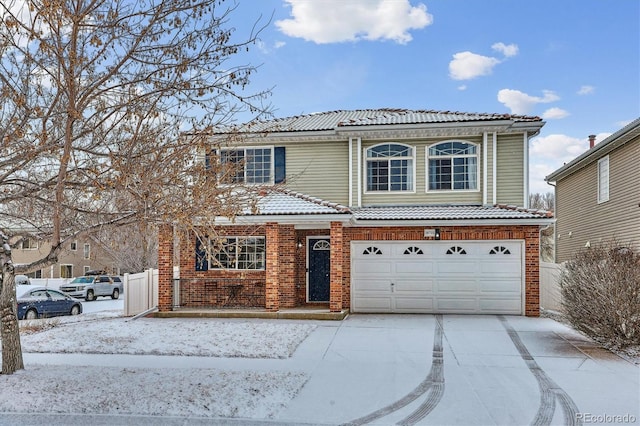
[(89, 287), (41, 302), (23, 280)]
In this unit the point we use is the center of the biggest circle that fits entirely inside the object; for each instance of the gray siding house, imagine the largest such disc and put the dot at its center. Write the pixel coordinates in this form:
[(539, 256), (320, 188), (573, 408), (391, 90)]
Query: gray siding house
[(598, 195)]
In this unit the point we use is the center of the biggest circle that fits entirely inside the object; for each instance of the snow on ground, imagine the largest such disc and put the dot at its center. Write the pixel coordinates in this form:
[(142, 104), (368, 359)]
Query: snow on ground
[(154, 336), (200, 392)]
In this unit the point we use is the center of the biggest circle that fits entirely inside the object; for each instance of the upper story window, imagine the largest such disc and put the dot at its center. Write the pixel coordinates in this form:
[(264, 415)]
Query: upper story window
[(390, 167), (87, 251), (603, 179), (249, 165), (29, 244), (453, 166)]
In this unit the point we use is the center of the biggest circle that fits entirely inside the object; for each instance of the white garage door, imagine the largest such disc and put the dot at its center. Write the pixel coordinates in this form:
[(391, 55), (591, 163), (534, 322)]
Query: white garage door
[(475, 277)]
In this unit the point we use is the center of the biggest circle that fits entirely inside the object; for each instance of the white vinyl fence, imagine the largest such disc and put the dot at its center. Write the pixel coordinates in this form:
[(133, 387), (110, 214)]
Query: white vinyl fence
[(140, 292), (550, 296)]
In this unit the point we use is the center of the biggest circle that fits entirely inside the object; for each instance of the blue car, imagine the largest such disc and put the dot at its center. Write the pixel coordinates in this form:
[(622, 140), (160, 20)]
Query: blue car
[(42, 302)]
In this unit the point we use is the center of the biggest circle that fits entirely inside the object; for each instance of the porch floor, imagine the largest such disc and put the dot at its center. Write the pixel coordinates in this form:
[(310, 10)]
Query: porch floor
[(293, 313)]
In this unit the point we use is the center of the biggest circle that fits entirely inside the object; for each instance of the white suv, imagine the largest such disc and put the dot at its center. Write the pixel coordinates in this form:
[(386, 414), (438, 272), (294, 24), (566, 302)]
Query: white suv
[(90, 287)]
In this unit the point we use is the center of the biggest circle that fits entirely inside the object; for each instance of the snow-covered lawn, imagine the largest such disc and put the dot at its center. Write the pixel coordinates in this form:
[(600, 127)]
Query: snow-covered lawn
[(156, 390)]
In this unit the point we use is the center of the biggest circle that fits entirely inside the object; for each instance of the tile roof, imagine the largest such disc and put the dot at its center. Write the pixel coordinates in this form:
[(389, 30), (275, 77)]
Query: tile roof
[(284, 202), (447, 213), (370, 117)]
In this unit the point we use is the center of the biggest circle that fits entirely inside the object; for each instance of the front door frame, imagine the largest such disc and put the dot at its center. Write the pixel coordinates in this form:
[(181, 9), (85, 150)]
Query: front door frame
[(308, 251)]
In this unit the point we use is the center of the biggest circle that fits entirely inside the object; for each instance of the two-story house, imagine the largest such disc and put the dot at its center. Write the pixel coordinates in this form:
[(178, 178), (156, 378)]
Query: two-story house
[(372, 211), (598, 194), (75, 259)]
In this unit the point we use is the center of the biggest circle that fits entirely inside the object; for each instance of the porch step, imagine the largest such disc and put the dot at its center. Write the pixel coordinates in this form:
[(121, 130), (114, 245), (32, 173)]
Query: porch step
[(308, 314)]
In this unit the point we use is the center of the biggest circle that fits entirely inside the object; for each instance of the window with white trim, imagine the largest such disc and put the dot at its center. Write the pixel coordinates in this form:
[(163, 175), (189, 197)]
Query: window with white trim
[(247, 165), (389, 167), (238, 253), (87, 251), (603, 179), (452, 166), (66, 271), (29, 244)]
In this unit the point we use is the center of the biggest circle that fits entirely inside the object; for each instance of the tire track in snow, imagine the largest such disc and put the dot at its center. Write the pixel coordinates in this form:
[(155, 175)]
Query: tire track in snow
[(433, 383), (550, 392)]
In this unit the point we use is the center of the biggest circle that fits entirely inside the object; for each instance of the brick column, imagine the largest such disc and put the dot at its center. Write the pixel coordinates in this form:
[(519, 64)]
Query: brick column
[(272, 290), (532, 272), (165, 267), (335, 292), (287, 266)]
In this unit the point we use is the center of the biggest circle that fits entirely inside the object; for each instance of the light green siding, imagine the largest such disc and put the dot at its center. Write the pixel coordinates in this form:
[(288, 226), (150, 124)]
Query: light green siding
[(581, 219), (420, 194), (319, 169), (510, 166)]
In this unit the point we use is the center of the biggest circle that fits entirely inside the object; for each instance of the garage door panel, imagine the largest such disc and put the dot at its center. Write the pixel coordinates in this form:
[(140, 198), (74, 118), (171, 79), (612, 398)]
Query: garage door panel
[(368, 286), (372, 304), (413, 304), (500, 285), (420, 285), (456, 305), (500, 268), (369, 267), (456, 286), (412, 267), (500, 306), (437, 276), (461, 267)]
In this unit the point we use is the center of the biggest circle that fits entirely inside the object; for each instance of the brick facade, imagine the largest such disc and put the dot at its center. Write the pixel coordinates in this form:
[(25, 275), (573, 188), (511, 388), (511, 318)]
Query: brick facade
[(285, 275)]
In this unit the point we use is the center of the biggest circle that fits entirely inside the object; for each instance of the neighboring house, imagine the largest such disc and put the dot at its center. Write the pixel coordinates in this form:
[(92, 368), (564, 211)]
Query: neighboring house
[(598, 194), (77, 257), (372, 211)]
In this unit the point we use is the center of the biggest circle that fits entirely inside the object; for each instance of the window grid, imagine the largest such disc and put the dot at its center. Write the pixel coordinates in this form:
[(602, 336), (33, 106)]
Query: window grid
[(238, 253), (386, 171), (453, 166), (254, 165)]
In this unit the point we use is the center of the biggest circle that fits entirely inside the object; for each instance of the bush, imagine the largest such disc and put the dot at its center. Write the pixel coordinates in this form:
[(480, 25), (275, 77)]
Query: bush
[(600, 290)]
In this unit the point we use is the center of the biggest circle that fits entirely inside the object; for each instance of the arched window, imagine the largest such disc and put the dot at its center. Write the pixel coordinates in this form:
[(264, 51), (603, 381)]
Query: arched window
[(322, 245), (456, 250), (413, 250), (372, 250), (453, 166), (389, 167), (499, 250)]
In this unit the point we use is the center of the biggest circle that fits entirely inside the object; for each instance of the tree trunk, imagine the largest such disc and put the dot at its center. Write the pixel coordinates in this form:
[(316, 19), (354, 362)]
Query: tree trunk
[(11, 348)]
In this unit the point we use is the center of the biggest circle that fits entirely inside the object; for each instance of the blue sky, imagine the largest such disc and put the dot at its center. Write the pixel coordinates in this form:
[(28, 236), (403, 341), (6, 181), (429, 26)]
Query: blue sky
[(573, 62)]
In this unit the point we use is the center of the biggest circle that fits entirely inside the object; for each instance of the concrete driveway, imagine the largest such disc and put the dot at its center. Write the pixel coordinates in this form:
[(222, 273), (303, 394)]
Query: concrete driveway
[(418, 369), (466, 370)]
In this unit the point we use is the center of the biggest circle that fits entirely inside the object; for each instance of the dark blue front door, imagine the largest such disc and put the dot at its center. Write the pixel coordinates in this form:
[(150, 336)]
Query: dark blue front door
[(318, 254)]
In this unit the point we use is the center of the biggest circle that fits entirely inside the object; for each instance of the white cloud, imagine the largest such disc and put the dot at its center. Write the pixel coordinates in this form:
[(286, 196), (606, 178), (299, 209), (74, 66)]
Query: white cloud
[(507, 50), (333, 21), (555, 114), (279, 44), (462, 87), (557, 147), (586, 90), (264, 48), (521, 103), (467, 66)]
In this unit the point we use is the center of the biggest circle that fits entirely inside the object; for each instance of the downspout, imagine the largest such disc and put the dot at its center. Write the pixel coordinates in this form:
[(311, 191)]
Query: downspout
[(359, 156), (495, 168), (350, 172), (485, 169), (526, 170)]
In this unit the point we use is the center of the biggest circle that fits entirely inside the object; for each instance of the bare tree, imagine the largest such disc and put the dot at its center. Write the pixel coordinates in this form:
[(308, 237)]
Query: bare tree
[(95, 98), (546, 202)]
